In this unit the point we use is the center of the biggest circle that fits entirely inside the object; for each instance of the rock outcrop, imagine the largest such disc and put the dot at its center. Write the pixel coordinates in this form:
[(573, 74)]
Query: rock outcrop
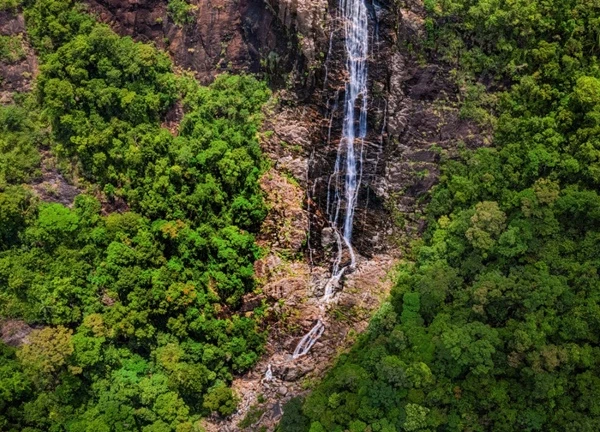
[(19, 67), (221, 35), (306, 17), (14, 332)]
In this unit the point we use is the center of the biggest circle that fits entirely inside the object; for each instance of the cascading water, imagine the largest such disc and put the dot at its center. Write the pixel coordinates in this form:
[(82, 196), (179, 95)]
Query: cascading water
[(343, 192), (309, 339), (357, 48)]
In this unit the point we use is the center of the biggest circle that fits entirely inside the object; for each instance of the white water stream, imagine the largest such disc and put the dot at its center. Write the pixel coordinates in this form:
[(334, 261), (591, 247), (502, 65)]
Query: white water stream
[(344, 182)]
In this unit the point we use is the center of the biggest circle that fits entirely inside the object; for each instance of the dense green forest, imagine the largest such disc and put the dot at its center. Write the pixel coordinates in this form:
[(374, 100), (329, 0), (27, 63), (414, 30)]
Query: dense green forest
[(494, 324), (135, 311), (134, 289)]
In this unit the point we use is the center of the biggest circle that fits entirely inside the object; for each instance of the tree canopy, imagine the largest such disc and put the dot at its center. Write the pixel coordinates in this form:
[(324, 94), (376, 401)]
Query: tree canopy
[(135, 312)]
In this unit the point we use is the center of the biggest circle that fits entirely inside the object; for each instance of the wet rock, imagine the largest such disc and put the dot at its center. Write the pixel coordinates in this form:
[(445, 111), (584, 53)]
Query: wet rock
[(275, 411), (318, 280), (328, 238)]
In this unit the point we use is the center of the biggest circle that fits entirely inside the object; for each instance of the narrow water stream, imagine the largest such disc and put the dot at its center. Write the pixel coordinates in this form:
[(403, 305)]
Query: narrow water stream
[(345, 179)]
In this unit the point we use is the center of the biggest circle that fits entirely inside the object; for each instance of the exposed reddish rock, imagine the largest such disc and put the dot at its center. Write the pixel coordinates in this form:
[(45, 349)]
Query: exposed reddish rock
[(223, 35), (52, 186), (364, 290), (287, 222), (16, 75)]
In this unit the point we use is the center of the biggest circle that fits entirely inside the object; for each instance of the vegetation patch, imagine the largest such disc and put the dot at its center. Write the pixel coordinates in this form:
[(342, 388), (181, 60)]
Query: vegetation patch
[(11, 49), (254, 414), (9, 5), (136, 311), (181, 12)]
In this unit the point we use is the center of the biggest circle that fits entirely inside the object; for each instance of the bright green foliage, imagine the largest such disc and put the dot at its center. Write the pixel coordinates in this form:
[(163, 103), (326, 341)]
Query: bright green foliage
[(553, 38), (139, 316), (180, 11), (46, 353), (101, 94), (496, 325), (52, 23), (220, 399)]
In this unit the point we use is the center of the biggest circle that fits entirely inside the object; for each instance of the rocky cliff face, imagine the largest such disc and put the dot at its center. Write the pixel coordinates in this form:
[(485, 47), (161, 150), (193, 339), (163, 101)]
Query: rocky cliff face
[(413, 121), (222, 35), (19, 67)]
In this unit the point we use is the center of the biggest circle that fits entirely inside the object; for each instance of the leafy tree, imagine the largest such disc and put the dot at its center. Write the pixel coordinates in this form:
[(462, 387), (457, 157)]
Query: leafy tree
[(220, 399), (20, 136), (46, 353)]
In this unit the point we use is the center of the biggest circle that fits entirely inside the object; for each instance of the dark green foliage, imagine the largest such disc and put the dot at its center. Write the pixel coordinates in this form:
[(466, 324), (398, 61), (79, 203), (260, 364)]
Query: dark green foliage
[(16, 207), (9, 5), (138, 310), (294, 420), (253, 415), (20, 137), (495, 326)]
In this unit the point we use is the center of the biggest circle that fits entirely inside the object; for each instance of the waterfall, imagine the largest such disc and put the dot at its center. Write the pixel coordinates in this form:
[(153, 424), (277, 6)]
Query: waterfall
[(309, 340), (357, 48), (342, 193), (268, 374), (345, 193)]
